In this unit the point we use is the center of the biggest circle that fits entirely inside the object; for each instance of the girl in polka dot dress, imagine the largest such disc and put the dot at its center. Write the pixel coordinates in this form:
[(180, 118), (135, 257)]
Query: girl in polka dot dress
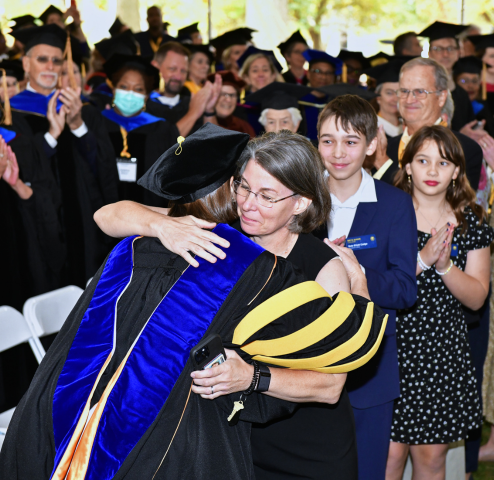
[(439, 403)]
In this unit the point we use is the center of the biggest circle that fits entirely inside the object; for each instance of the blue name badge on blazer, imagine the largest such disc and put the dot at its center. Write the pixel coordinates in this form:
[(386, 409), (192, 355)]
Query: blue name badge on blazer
[(361, 243), (454, 249)]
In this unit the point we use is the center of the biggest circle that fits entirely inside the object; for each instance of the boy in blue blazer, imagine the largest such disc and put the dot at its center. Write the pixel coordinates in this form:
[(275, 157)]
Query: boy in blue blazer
[(377, 221)]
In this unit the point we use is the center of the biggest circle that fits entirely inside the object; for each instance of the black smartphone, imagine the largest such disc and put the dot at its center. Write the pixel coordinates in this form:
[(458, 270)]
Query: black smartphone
[(208, 353)]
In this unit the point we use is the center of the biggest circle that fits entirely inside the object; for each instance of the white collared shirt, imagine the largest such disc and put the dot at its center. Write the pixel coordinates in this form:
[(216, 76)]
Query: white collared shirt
[(343, 214), (170, 101)]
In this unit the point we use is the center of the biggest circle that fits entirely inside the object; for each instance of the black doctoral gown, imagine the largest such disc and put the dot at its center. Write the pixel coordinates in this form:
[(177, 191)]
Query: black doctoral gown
[(84, 172), (471, 149), (463, 109), (204, 447), (146, 144)]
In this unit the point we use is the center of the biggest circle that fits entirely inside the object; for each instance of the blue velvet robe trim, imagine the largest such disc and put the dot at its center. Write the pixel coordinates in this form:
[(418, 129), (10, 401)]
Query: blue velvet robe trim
[(131, 123), (7, 135), (159, 353), (33, 102)]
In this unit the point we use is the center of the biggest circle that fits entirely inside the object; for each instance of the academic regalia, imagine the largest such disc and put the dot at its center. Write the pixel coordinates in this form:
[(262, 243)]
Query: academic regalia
[(159, 309), (251, 50), (149, 46), (288, 76), (312, 113), (463, 109), (147, 137), (237, 124), (49, 11)]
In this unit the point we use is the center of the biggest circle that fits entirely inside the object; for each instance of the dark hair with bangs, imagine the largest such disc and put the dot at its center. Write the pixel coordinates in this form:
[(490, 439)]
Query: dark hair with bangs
[(215, 207), (460, 196), (296, 163), (351, 111)]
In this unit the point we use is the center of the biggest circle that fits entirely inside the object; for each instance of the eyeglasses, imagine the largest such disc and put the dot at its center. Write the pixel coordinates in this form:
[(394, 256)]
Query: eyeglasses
[(418, 93), (263, 200), (232, 96), (437, 49), (44, 59), (466, 81), (318, 71)]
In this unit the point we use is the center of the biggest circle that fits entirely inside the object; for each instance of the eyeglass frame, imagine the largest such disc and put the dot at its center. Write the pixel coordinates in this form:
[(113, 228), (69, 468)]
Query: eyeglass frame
[(318, 71), (466, 81), (232, 96), (399, 91), (237, 183), (440, 50), (57, 61)]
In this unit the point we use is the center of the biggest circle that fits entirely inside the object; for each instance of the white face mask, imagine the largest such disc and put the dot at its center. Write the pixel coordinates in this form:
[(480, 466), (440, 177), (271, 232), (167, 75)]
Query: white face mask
[(128, 102)]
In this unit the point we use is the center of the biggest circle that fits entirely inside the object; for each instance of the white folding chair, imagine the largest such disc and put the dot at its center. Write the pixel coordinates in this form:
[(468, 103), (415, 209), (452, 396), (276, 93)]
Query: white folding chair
[(45, 314), (13, 331)]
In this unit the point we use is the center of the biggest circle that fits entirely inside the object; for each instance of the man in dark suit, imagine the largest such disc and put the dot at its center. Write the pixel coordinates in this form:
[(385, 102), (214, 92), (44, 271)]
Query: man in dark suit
[(151, 39), (422, 95), (378, 223)]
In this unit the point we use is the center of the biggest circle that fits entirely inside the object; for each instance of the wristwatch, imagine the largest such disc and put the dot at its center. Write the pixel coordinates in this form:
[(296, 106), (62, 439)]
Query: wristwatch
[(209, 114), (264, 379)]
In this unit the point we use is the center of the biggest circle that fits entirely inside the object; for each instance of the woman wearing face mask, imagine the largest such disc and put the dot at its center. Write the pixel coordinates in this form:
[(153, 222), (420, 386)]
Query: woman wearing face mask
[(224, 109), (138, 137), (199, 64)]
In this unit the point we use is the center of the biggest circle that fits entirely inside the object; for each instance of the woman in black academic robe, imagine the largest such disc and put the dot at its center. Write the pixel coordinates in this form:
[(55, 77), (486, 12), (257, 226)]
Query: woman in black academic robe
[(138, 138)]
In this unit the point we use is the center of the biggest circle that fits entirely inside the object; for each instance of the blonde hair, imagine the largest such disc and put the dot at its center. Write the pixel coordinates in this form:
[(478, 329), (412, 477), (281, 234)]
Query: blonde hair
[(244, 71)]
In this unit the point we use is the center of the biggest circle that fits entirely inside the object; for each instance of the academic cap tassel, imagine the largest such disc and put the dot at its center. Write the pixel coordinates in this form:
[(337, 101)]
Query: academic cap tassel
[(70, 63), (7, 113), (484, 81), (344, 73)]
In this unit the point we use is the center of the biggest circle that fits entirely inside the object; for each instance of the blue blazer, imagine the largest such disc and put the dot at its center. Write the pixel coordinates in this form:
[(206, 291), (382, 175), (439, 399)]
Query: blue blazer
[(390, 271)]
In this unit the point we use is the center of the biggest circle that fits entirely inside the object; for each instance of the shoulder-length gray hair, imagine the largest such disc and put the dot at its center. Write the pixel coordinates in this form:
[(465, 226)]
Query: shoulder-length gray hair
[(296, 163)]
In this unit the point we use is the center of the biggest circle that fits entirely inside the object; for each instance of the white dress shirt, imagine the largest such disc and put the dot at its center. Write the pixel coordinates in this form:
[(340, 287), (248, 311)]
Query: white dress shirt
[(170, 101), (389, 128), (343, 213)]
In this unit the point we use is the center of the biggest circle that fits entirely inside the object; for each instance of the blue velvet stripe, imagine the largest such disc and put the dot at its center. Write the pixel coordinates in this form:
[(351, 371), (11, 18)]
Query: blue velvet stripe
[(91, 346), (33, 102), (131, 123), (162, 350), (7, 135)]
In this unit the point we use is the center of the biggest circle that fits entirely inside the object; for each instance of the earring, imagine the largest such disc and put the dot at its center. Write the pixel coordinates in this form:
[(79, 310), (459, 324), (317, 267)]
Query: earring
[(409, 179), (453, 183)]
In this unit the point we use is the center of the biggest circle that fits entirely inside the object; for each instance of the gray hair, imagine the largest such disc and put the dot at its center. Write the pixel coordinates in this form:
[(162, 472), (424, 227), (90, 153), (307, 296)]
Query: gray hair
[(440, 74), (295, 162), (294, 112), (449, 108)]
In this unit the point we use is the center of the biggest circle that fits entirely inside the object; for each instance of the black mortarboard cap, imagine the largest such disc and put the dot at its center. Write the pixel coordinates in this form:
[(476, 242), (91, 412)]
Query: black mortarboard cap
[(469, 64), (189, 30), (123, 43), (314, 56), (348, 54), (51, 9), (13, 68), (378, 59), (339, 89), (201, 48), (51, 35), (116, 27), (482, 41), (387, 72), (24, 21), (439, 30), (239, 36), (202, 162), (296, 37), (118, 61), (251, 50), (229, 78), (279, 96)]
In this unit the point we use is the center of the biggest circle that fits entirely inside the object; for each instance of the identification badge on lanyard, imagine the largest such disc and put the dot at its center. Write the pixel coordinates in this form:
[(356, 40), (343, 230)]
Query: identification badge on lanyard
[(361, 243), (454, 250), (127, 169)]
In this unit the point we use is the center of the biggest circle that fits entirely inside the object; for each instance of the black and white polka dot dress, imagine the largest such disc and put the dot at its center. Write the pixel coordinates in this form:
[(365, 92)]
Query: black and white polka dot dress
[(439, 401)]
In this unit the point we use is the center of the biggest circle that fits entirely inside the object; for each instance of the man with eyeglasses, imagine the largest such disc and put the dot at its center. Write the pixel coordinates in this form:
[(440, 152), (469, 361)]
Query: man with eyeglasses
[(422, 93), (444, 48), (293, 50), (74, 148), (323, 70)]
